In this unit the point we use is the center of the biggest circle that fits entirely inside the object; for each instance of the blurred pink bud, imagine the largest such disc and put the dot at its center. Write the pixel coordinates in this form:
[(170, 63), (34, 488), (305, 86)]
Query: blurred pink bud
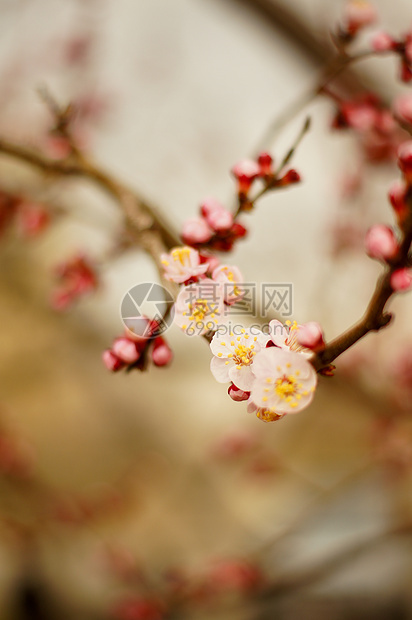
[(236, 394), (381, 243), (220, 220), (196, 230), (138, 609), (401, 280), (235, 445), (61, 299), (217, 217), (310, 336), (398, 198), (238, 231), (406, 71), (236, 575), (290, 177), (382, 42), (111, 361), (162, 354), (265, 162), (408, 49), (126, 350), (358, 14), (245, 171), (403, 107), (32, 219), (405, 159)]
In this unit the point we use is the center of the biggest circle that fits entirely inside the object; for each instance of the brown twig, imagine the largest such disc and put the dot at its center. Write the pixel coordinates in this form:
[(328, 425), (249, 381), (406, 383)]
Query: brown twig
[(375, 317)]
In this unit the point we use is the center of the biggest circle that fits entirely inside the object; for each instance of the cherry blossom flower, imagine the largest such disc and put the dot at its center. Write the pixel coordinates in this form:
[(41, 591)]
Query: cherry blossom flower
[(266, 415), (234, 356), (182, 264), (230, 277), (199, 308), (285, 337), (284, 381), (310, 336)]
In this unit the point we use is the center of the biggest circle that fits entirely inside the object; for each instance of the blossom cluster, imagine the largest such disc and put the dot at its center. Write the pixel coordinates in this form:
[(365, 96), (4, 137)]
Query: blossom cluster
[(382, 242), (132, 350), (271, 371), (207, 287)]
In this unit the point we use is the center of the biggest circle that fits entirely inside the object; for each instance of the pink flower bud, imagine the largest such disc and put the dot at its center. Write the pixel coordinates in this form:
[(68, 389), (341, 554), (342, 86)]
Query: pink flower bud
[(382, 42), (265, 162), (401, 280), (32, 219), (406, 72), (162, 354), (408, 49), (238, 231), (217, 217), (245, 171), (398, 198), (290, 177), (310, 336), (126, 350), (236, 394), (403, 107), (405, 159), (210, 205), (381, 243), (111, 361), (196, 230), (358, 14)]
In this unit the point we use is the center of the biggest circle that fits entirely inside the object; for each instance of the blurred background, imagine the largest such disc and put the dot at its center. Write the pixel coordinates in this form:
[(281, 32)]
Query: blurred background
[(118, 490)]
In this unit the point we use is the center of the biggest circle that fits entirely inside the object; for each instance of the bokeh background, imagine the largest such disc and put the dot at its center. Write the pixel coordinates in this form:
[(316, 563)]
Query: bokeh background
[(171, 95)]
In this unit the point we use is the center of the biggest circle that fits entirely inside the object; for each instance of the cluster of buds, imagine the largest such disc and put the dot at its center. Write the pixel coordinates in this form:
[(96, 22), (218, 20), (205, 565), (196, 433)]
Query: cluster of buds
[(215, 228), (247, 171), (77, 277), (383, 42), (358, 14), (30, 218), (381, 241), (133, 351), (373, 123)]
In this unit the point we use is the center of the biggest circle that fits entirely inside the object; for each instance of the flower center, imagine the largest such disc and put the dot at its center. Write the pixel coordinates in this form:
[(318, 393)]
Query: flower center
[(198, 310), (181, 255), (291, 340), (242, 355), (286, 386)]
